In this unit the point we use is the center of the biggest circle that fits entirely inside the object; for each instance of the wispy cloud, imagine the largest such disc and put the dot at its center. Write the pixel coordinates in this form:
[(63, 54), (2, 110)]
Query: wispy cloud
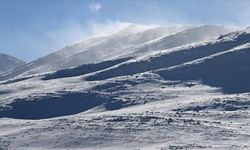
[(74, 31), (106, 27), (95, 7), (41, 44)]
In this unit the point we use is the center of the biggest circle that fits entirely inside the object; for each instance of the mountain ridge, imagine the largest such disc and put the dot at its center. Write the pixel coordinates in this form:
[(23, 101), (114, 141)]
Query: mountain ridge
[(110, 46), (8, 62)]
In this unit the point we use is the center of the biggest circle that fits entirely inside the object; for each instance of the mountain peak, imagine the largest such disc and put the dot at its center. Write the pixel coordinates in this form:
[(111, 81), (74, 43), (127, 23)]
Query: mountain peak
[(8, 62)]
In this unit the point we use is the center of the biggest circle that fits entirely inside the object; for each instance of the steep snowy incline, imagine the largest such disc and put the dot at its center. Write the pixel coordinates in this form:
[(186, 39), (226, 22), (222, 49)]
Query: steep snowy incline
[(193, 35), (119, 44), (8, 62), (171, 57), (228, 70), (94, 49), (175, 37)]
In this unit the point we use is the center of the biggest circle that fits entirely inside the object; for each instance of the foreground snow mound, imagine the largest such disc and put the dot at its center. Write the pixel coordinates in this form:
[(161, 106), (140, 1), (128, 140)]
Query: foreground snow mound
[(60, 104), (158, 114), (8, 62)]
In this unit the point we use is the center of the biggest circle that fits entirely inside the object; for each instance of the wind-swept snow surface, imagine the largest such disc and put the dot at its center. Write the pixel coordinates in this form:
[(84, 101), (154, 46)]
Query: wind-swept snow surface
[(131, 40), (194, 96)]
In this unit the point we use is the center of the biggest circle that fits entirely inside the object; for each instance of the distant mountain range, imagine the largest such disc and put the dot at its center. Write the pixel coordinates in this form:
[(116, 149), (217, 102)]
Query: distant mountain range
[(8, 62)]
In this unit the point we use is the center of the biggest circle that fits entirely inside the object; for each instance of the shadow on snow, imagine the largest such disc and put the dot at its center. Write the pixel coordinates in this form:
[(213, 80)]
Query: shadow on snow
[(58, 105)]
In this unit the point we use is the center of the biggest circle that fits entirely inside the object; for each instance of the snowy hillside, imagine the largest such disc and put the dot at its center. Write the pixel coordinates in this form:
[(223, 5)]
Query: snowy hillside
[(131, 40), (8, 62), (173, 96), (193, 35)]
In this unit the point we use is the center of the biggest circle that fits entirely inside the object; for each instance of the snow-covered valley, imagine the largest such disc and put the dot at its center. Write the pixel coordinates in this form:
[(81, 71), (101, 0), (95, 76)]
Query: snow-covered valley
[(184, 88)]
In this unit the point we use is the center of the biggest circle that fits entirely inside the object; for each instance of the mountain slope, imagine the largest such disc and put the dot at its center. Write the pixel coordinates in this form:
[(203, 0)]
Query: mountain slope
[(192, 97), (222, 63), (228, 70), (94, 49), (172, 57), (193, 35), (8, 62), (119, 44)]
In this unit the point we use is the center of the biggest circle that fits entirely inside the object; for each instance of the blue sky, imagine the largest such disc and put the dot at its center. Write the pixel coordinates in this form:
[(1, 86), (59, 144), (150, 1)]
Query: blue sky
[(30, 29)]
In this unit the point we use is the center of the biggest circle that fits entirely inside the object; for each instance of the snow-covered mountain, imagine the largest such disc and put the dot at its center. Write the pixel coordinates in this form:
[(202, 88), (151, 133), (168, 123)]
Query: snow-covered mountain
[(186, 96), (131, 40), (193, 35), (8, 62), (198, 61)]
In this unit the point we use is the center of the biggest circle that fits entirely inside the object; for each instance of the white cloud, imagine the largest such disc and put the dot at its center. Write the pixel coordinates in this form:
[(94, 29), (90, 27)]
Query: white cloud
[(95, 7)]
